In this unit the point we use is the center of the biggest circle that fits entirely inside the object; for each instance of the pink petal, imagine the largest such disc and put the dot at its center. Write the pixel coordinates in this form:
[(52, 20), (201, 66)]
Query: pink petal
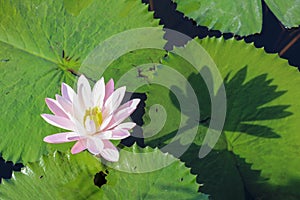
[(73, 136), (109, 89), (132, 104), (114, 101), (78, 146), (123, 112), (95, 145), (64, 104), (98, 93), (119, 117), (58, 138), (119, 134), (57, 121), (55, 107), (126, 126), (67, 92), (109, 152)]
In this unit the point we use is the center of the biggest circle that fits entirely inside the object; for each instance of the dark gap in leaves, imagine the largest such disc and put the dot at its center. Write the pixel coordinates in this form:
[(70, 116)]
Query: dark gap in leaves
[(274, 37), (99, 178), (7, 168), (165, 10), (137, 117)]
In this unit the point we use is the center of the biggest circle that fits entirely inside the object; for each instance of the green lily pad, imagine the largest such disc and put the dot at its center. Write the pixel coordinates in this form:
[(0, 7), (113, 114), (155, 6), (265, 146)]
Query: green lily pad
[(65, 176), (138, 175), (43, 44), (56, 176), (238, 17), (257, 152)]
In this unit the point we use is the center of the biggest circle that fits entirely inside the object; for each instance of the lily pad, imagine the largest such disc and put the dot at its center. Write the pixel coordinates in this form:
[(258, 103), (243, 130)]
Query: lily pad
[(56, 176), (65, 176), (238, 17), (256, 153), (43, 43)]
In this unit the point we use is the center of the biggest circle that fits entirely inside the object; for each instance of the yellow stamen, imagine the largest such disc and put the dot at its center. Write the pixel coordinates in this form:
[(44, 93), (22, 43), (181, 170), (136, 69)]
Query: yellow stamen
[(94, 114)]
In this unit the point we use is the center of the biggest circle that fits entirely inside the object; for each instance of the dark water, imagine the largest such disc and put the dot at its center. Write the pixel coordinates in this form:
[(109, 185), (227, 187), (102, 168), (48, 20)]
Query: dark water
[(274, 37)]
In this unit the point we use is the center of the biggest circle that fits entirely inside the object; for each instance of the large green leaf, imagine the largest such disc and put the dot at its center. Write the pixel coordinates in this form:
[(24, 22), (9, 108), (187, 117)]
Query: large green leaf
[(239, 17), (56, 176), (65, 176), (41, 43), (172, 180), (257, 152)]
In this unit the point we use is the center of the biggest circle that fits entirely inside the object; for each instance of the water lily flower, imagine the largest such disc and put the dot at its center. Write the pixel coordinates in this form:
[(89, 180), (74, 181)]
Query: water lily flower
[(92, 117)]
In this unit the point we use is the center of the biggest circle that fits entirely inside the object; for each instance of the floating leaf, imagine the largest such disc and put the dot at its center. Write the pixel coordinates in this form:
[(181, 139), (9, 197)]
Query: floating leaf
[(65, 176), (256, 153), (239, 17), (127, 178), (57, 176), (43, 43)]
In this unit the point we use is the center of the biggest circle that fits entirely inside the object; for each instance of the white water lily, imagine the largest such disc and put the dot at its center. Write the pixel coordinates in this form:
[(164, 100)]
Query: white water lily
[(93, 117)]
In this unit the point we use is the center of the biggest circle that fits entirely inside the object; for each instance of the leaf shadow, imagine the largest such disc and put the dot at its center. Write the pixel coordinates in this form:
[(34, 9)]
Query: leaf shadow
[(245, 102), (224, 174)]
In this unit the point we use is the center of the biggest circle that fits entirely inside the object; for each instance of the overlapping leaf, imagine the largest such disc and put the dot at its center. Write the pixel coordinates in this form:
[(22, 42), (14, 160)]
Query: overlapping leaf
[(165, 177), (65, 176), (239, 17), (257, 152), (57, 176)]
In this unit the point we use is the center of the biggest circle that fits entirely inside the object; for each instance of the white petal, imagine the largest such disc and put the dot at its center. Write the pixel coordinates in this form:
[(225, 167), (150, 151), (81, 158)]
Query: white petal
[(98, 93), (60, 122), (105, 122), (132, 104), (90, 125), (67, 92), (95, 145), (106, 135), (126, 126), (84, 92), (110, 152), (78, 110), (120, 116), (114, 101), (79, 127)]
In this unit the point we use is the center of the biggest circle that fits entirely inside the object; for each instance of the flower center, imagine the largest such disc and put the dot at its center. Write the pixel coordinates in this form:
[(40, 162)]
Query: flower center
[(95, 115)]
